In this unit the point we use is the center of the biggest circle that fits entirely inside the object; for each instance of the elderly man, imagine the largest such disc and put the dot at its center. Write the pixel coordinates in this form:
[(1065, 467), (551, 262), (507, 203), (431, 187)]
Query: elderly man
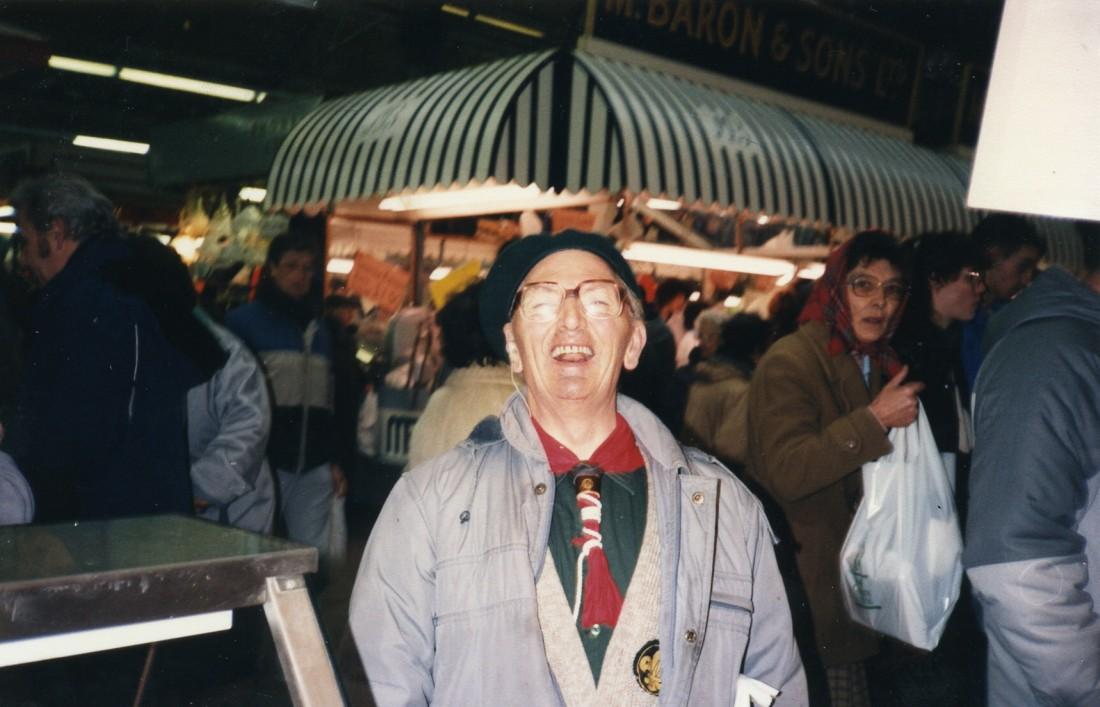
[(570, 551), (101, 430)]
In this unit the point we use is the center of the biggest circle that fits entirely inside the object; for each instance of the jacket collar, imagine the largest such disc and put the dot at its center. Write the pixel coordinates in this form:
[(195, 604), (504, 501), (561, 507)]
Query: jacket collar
[(843, 371)]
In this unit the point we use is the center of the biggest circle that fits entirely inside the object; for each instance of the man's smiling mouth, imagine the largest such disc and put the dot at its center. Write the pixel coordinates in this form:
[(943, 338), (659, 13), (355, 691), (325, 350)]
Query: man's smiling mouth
[(571, 352)]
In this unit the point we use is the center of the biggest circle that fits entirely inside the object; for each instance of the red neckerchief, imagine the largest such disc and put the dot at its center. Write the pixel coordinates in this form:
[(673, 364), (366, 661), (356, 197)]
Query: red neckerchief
[(602, 600), (828, 306), (617, 455)]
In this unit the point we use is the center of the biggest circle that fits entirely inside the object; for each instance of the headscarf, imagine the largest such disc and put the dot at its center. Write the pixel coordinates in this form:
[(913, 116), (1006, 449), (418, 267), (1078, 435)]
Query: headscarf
[(828, 305)]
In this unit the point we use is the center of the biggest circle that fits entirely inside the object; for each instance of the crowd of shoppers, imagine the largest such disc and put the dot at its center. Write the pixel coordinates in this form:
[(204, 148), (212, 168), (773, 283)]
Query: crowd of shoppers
[(553, 540)]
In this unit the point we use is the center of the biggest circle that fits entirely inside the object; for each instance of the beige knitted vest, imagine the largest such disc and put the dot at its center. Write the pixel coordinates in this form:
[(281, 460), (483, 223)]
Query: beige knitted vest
[(637, 626)]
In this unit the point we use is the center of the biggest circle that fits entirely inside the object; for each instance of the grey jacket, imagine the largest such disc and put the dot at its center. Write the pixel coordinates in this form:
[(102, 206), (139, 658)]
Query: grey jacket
[(228, 420), (1033, 534), (444, 608), (16, 500)]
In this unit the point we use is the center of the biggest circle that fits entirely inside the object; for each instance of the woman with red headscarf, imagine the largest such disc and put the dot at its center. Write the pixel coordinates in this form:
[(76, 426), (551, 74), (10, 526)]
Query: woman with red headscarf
[(821, 403)]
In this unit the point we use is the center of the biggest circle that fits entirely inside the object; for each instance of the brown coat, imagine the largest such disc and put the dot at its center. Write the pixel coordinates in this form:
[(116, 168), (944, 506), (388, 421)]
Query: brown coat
[(716, 415), (810, 431)]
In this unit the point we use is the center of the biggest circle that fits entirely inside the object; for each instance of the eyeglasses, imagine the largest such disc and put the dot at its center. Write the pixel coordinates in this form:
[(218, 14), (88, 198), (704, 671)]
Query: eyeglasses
[(541, 301), (974, 278), (865, 286)]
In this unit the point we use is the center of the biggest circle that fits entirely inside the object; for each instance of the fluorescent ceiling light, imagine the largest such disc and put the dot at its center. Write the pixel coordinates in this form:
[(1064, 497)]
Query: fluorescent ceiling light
[(439, 273), (455, 10), (707, 259), (7, 211), (812, 271), (254, 194), (340, 266), (461, 197), (508, 26), (80, 66), (785, 279), (106, 143), (8, 228), (664, 204), (180, 83)]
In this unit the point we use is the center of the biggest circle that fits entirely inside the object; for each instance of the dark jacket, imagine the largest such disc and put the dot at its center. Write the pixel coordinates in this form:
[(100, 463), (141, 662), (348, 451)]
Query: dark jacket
[(934, 358), (101, 429)]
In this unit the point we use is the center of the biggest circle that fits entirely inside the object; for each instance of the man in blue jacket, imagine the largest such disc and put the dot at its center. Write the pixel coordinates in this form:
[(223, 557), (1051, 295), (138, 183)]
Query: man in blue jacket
[(570, 551), (283, 327), (1033, 534)]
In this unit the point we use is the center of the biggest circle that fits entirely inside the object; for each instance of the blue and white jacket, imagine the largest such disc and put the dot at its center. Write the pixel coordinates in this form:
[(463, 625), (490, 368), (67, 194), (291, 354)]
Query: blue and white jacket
[(298, 361), (1033, 533)]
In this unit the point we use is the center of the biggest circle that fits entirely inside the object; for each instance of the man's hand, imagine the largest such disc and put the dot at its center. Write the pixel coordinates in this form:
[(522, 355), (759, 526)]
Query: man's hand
[(896, 404), (339, 481)]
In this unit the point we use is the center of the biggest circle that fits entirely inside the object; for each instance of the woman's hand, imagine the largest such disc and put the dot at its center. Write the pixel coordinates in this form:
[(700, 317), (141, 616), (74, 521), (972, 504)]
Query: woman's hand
[(896, 404)]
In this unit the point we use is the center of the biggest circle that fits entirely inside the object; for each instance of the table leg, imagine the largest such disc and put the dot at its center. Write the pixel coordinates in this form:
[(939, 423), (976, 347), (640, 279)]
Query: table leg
[(305, 660)]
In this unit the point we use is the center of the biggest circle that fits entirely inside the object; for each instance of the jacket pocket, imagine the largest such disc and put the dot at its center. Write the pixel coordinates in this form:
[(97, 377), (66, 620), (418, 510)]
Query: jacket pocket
[(471, 586), (727, 635), (731, 602)]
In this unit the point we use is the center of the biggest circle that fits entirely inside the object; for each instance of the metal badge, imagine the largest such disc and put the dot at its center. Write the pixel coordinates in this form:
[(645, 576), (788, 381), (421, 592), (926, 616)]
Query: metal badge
[(647, 667)]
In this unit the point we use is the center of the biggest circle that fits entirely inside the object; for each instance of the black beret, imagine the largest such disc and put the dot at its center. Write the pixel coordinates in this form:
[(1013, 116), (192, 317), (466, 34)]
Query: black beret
[(515, 261)]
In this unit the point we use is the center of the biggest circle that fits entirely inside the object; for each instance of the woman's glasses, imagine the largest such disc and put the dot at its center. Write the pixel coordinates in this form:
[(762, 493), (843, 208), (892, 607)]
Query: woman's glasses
[(866, 286)]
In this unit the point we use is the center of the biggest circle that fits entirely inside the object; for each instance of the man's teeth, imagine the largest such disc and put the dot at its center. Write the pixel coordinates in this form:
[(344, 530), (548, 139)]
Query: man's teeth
[(571, 350)]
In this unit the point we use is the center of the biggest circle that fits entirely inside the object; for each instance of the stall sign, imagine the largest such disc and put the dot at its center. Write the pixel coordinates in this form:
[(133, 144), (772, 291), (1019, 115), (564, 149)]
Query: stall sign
[(794, 48), (456, 281), (383, 283)]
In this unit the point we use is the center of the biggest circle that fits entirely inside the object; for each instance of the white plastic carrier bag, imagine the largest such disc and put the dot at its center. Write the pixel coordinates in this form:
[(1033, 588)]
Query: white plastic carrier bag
[(901, 563)]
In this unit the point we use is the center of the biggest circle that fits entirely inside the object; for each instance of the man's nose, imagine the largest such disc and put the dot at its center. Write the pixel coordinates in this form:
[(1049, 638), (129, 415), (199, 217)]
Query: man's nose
[(572, 313)]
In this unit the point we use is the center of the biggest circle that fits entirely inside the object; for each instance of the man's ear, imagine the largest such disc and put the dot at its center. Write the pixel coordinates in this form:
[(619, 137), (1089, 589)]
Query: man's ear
[(57, 233), (634, 347), (513, 351)]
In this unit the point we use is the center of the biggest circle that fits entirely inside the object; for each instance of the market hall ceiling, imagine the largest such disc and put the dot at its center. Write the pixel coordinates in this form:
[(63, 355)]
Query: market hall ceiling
[(288, 49)]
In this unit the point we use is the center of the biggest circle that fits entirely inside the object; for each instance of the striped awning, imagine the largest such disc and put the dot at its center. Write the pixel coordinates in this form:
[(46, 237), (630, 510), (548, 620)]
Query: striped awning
[(459, 127), (573, 121)]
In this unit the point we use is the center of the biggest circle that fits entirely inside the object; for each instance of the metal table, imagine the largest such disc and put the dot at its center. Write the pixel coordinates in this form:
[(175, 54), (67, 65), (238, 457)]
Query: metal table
[(82, 587)]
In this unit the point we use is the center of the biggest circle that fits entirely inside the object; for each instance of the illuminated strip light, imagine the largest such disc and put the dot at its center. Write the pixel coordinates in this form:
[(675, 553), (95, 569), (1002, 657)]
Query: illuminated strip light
[(80, 66), (455, 10), (461, 197), (61, 645), (180, 83), (8, 228), (508, 26), (253, 194), (106, 143), (812, 272), (664, 204), (340, 266), (7, 211), (708, 259)]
